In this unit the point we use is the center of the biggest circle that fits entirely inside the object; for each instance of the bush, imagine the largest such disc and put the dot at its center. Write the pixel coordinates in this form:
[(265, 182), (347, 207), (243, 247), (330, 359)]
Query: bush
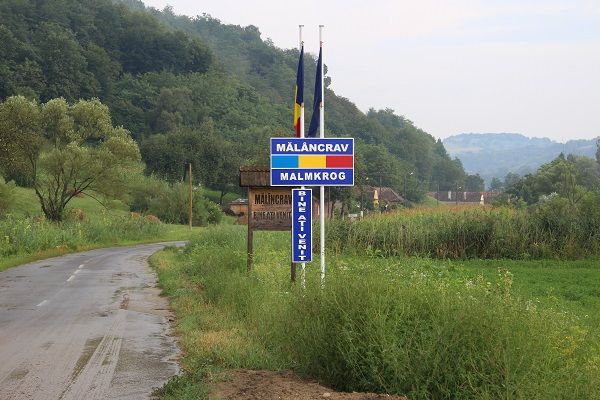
[(170, 203), (143, 190), (7, 196), (429, 338), (76, 214)]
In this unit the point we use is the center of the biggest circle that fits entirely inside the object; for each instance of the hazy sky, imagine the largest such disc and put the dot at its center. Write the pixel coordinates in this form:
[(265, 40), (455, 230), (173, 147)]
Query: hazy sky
[(452, 66)]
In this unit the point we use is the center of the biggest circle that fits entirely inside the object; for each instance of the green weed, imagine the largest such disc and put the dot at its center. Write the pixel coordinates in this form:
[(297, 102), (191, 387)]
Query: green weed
[(395, 325), (26, 236)]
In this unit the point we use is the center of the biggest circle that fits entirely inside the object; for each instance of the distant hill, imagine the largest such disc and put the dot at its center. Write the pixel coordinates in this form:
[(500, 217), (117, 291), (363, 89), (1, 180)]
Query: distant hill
[(496, 154)]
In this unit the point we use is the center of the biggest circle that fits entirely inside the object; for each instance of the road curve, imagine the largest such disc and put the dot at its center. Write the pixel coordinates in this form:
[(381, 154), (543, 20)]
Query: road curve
[(85, 326)]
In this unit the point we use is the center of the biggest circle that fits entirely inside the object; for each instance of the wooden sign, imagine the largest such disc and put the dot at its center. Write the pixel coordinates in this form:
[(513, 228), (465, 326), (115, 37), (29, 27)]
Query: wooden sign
[(270, 208)]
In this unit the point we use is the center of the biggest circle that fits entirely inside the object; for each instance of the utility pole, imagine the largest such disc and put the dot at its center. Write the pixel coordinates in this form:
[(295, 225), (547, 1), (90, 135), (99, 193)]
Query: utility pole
[(191, 193), (405, 179), (380, 208), (456, 193)]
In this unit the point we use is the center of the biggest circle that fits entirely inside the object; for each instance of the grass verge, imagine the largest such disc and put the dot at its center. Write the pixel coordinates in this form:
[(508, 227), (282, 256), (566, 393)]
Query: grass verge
[(25, 240), (415, 327)]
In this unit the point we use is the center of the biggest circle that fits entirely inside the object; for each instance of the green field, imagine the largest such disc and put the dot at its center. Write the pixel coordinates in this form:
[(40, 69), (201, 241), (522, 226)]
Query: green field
[(425, 328), (568, 285)]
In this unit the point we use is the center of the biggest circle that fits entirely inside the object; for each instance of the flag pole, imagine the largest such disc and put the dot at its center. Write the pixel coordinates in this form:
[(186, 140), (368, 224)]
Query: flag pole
[(322, 135), (302, 265)]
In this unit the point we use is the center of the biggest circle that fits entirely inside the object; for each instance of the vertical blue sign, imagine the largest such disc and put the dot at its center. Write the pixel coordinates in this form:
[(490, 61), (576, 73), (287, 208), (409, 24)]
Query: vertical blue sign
[(301, 225)]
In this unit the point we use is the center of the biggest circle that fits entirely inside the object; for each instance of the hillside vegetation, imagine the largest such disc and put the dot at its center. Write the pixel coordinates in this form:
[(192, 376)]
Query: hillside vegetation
[(162, 74)]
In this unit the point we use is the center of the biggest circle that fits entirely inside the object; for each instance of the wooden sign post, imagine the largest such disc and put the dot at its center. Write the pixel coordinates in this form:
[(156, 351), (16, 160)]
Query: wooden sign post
[(269, 208)]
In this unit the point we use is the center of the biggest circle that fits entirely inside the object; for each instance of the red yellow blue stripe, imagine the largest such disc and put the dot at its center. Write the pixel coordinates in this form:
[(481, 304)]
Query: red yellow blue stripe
[(312, 161)]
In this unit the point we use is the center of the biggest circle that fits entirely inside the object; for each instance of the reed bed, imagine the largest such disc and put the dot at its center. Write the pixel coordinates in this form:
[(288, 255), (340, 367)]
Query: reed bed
[(472, 232)]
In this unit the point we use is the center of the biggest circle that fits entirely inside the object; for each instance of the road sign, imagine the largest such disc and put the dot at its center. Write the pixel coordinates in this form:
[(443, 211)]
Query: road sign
[(312, 162), (301, 225), (271, 208)]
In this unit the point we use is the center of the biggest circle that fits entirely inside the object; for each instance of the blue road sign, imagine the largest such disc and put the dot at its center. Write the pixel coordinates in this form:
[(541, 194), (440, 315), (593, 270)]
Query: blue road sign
[(301, 225), (312, 162)]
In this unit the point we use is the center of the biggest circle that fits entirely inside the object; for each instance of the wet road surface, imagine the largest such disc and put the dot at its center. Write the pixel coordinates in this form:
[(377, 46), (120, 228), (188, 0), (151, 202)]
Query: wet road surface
[(85, 326)]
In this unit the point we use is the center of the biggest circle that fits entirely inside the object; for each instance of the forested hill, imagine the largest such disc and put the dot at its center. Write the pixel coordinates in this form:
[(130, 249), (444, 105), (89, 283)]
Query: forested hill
[(194, 89), (271, 71), (496, 154)]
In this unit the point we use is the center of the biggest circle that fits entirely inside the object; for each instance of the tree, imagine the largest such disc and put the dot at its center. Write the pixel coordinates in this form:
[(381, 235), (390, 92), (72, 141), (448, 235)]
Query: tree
[(496, 185), (474, 183), (341, 194), (20, 139), (559, 176), (569, 177), (510, 180), (64, 65), (68, 150), (220, 166), (382, 168), (522, 188), (215, 161), (588, 172), (448, 174)]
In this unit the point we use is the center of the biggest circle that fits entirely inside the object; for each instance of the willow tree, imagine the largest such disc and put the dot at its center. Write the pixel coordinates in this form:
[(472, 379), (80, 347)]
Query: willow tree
[(66, 150)]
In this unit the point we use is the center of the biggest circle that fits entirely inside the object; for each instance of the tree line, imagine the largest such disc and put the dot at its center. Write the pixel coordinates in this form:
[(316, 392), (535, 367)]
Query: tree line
[(570, 177)]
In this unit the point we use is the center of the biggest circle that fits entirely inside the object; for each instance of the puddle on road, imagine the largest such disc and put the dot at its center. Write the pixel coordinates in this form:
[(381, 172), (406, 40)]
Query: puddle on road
[(90, 347), (125, 301), (18, 373), (47, 345)]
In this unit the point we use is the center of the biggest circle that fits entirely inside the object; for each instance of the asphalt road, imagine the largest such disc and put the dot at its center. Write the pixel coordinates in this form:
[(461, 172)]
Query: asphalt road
[(85, 326)]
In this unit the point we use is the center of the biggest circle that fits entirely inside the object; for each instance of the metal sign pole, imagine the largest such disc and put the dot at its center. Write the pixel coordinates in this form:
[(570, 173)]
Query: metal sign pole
[(322, 191), (303, 265), (191, 196)]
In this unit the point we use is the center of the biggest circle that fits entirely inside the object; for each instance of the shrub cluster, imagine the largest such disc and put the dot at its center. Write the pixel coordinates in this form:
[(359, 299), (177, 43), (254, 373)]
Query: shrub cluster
[(416, 331), (170, 202), (551, 229)]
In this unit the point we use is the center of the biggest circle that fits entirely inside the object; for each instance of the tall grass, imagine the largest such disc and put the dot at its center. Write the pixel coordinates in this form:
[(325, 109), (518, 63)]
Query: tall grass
[(30, 235), (545, 232), (379, 326)]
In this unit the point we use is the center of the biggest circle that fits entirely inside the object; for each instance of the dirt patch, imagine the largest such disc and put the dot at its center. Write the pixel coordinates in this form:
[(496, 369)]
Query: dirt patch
[(270, 385)]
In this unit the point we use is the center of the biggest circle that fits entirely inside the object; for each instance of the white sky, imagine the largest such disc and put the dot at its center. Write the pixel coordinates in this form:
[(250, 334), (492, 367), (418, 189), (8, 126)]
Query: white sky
[(453, 66)]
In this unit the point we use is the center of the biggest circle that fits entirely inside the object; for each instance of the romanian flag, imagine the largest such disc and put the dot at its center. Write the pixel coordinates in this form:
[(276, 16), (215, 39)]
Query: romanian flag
[(318, 99), (299, 92)]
